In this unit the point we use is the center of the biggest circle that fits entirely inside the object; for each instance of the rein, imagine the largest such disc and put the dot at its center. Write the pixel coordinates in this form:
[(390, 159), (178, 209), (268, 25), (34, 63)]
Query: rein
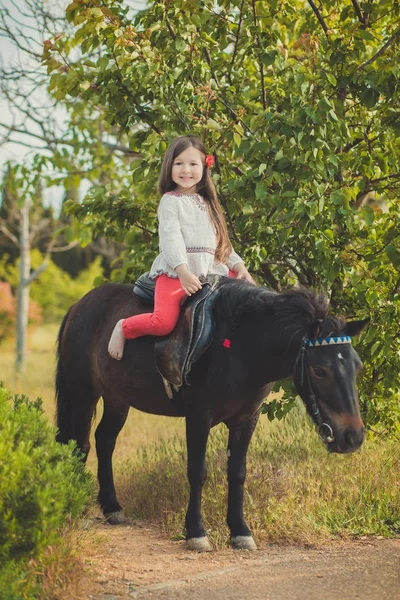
[(324, 430)]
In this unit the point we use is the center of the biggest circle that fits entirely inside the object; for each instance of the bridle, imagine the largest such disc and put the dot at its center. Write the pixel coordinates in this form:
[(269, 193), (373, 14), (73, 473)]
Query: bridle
[(324, 430)]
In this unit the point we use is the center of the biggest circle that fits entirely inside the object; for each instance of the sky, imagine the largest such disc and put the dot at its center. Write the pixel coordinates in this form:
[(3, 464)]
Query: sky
[(10, 57)]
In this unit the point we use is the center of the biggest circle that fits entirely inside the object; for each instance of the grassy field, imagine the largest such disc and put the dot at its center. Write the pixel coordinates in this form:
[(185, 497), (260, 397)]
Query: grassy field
[(295, 492), (38, 381)]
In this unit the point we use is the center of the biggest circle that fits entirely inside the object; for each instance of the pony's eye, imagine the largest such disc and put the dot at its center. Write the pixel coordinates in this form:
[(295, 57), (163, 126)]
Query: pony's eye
[(320, 371)]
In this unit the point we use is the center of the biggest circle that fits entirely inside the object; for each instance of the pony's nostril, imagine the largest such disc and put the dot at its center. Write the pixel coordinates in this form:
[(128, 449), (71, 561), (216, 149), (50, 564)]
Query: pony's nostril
[(354, 438)]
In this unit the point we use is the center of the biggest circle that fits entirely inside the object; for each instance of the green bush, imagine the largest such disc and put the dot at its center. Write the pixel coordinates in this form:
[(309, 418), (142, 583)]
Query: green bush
[(43, 485)]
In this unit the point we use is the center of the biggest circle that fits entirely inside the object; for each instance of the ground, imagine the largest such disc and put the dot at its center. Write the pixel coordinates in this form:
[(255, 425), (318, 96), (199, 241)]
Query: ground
[(137, 560)]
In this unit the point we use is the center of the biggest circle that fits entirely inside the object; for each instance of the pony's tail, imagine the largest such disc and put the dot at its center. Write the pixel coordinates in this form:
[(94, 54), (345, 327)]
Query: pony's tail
[(63, 398)]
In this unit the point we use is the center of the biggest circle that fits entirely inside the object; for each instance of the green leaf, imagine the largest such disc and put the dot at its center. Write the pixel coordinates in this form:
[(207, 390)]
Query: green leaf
[(304, 87), (331, 78), (261, 191), (180, 45), (247, 209), (394, 255), (262, 168), (268, 58), (237, 138), (369, 97), (212, 124), (368, 214)]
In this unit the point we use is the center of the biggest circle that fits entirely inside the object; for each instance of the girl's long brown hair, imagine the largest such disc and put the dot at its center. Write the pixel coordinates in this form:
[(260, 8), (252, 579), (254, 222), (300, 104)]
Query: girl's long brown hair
[(205, 188)]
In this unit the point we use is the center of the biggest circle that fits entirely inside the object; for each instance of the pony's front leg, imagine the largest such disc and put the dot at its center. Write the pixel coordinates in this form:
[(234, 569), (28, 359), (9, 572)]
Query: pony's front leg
[(197, 432), (239, 439)]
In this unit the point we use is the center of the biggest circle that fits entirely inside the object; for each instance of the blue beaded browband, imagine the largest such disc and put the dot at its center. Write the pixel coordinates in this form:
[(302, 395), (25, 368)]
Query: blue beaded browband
[(330, 341)]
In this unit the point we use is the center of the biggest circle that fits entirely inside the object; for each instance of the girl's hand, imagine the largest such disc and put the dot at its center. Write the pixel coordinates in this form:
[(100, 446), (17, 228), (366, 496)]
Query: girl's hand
[(189, 282), (242, 273)]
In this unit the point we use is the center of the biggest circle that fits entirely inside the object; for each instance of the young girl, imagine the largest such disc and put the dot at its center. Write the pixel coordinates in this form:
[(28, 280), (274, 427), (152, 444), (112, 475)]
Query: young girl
[(193, 241)]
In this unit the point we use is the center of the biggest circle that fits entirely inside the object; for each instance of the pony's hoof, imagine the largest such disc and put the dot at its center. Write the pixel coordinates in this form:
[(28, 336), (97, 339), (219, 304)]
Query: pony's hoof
[(115, 518), (200, 544), (243, 542)]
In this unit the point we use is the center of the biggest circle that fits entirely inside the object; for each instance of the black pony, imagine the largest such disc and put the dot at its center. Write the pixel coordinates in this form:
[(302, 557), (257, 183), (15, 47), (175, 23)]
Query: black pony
[(271, 337)]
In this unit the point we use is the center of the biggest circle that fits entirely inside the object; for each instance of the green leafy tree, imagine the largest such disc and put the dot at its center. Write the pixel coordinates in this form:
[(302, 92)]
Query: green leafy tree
[(300, 106)]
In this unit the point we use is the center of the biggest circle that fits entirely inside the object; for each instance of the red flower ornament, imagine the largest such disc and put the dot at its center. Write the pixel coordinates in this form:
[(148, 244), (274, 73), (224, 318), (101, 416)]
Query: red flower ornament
[(209, 160)]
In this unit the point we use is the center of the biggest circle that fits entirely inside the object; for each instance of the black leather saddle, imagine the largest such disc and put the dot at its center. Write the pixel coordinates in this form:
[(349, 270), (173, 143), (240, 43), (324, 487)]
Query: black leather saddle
[(176, 352)]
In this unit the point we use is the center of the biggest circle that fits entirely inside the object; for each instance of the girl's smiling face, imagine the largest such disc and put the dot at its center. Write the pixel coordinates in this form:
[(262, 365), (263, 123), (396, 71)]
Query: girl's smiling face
[(187, 170)]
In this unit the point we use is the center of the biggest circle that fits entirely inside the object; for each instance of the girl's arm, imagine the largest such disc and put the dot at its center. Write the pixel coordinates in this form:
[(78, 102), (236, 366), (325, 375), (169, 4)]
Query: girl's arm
[(172, 244), (234, 260), (236, 264)]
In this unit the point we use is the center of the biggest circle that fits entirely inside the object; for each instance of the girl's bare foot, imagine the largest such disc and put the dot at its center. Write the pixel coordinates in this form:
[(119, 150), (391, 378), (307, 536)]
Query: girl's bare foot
[(117, 342)]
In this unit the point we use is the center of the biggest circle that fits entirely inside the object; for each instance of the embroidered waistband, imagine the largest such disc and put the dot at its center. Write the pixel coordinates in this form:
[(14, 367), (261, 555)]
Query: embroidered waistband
[(197, 249)]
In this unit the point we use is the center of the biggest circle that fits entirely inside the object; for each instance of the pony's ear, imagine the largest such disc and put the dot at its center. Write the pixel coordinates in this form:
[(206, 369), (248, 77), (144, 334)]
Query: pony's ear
[(355, 327), (315, 329)]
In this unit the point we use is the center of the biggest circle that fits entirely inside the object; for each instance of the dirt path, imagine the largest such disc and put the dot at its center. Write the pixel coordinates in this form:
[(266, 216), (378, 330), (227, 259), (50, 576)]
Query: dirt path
[(137, 561)]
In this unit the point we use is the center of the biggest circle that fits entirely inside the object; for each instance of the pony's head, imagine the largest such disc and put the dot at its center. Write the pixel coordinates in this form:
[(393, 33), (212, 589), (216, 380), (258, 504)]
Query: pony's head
[(325, 377)]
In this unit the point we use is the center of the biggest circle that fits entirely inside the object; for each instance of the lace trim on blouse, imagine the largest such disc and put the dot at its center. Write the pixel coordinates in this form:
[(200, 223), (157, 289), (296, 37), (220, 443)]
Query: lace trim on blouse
[(199, 200)]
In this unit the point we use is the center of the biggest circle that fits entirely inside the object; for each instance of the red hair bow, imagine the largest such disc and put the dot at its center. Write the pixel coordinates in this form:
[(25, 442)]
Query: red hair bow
[(209, 160)]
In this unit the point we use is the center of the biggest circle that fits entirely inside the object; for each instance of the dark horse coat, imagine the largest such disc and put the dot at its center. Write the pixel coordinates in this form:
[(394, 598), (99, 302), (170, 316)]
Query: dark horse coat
[(228, 385)]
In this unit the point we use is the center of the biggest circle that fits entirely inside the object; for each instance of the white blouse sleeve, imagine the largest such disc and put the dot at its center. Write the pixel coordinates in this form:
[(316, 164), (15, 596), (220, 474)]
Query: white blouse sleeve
[(172, 244), (233, 260)]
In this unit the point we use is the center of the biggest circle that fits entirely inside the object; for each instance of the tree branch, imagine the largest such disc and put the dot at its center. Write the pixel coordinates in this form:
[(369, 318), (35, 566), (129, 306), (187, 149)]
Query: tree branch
[(64, 248), (361, 17), (263, 98), (319, 16), (382, 50), (393, 176), (60, 141), (36, 273), (8, 234), (236, 42)]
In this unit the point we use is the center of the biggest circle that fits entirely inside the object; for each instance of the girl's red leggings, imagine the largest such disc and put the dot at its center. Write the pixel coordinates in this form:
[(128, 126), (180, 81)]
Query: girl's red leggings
[(168, 298)]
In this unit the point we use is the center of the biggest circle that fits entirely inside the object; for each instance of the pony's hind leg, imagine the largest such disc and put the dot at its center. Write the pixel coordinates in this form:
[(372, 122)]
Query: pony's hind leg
[(114, 417), (83, 414), (75, 412), (76, 398)]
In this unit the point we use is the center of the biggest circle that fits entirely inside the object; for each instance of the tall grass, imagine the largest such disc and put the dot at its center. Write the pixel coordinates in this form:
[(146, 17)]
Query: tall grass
[(295, 491)]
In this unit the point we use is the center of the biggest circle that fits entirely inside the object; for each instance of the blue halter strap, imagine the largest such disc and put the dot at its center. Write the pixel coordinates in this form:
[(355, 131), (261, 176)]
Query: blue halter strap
[(329, 341)]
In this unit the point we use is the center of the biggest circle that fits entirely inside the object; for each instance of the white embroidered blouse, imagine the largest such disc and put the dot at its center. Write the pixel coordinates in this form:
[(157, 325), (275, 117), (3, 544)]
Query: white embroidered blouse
[(187, 235)]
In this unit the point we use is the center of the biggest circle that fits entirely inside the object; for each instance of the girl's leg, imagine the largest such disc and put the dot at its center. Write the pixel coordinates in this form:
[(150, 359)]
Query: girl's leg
[(167, 302)]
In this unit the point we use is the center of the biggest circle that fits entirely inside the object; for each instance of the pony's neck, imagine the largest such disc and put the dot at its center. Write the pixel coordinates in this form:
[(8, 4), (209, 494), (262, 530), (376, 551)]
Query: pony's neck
[(268, 327), (269, 350)]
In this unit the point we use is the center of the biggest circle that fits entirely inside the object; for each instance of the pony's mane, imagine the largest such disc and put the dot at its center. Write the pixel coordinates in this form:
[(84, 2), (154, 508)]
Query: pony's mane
[(298, 305)]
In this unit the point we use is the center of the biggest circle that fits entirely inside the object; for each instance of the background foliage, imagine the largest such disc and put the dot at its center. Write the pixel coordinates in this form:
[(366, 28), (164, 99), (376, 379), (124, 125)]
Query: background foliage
[(55, 290), (300, 106)]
